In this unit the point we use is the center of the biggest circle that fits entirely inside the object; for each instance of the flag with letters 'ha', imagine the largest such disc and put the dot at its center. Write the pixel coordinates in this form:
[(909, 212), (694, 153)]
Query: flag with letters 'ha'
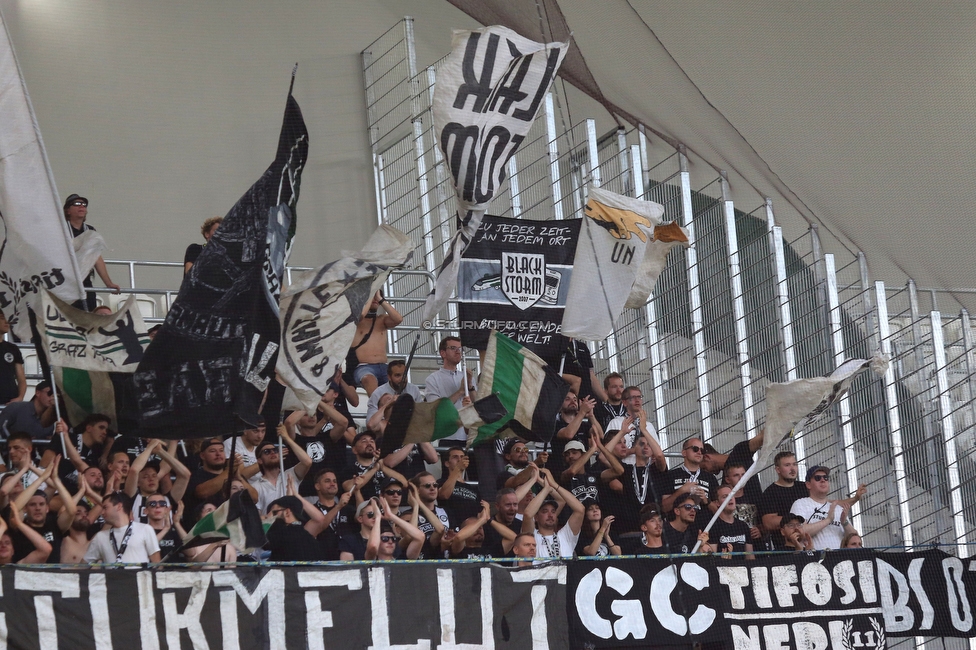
[(613, 240), (488, 93), (321, 309), (207, 369)]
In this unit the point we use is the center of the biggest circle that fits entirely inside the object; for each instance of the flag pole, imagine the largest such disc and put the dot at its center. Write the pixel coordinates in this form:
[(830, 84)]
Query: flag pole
[(57, 412)]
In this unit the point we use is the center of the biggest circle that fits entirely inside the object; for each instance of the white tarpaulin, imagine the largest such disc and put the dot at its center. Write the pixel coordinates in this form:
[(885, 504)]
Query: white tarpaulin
[(88, 246), (613, 240), (74, 338), (666, 237), (37, 253), (487, 95), (320, 311)]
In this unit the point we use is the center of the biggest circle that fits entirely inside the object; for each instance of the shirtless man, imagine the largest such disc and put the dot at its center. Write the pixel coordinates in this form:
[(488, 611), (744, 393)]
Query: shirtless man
[(74, 545), (369, 343)]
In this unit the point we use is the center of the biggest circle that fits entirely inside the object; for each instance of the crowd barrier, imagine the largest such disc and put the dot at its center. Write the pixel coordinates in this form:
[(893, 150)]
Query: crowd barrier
[(839, 599)]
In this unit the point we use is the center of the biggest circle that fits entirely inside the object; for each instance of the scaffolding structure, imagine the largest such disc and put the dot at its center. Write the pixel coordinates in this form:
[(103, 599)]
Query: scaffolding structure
[(742, 308)]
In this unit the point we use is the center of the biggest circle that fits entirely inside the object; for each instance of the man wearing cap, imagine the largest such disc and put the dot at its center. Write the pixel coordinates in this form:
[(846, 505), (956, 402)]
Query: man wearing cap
[(791, 532), (269, 483), (352, 546), (650, 542), (288, 539), (574, 422), (587, 480), (541, 517), (825, 521), (76, 213), (35, 416)]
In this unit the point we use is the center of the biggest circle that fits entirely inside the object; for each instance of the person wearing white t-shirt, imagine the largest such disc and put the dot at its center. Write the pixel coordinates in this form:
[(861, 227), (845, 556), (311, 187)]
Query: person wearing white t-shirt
[(825, 521), (269, 483), (449, 381), (541, 516), (127, 541), (246, 445)]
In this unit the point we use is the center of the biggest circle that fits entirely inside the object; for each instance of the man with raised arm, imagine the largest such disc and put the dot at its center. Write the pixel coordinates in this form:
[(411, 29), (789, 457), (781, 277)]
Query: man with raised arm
[(269, 484), (826, 521), (369, 343), (541, 517), (143, 479)]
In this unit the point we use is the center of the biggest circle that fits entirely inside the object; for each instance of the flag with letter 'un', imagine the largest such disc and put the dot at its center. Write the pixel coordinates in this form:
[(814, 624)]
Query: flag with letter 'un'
[(613, 239)]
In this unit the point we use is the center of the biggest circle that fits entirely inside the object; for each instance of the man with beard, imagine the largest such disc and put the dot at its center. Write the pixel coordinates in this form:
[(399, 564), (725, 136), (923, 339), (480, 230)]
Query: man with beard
[(125, 541), (396, 385), (431, 519), (366, 465), (574, 422), (681, 534), (95, 445), (269, 483), (336, 520), (35, 416), (211, 477), (459, 498), (690, 478), (74, 545), (614, 406), (519, 469)]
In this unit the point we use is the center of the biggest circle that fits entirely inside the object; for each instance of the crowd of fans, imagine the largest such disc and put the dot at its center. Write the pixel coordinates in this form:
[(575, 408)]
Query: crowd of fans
[(601, 486)]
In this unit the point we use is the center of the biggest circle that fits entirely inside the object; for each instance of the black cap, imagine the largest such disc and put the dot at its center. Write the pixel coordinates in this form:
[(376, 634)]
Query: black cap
[(72, 198), (787, 518), (388, 481), (210, 442), (292, 503), (817, 468), (361, 435)]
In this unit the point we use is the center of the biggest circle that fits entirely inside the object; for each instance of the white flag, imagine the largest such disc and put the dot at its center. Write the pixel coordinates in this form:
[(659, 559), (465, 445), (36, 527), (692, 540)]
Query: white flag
[(74, 338), (666, 237), (612, 243), (36, 253), (320, 311), (487, 96)]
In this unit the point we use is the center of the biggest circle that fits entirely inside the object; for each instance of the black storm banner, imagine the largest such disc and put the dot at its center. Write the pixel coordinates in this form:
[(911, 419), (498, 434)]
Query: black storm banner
[(837, 600), (209, 365), (514, 278), (392, 606)]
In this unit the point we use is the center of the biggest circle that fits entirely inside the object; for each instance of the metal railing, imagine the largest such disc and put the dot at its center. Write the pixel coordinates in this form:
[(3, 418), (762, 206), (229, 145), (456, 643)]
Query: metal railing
[(742, 308)]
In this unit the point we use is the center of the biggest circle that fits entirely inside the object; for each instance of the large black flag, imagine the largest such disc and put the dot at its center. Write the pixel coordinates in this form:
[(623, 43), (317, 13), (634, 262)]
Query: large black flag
[(206, 371)]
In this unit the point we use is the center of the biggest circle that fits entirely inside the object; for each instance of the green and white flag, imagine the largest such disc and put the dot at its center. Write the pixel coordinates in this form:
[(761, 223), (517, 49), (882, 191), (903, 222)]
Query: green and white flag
[(236, 520), (74, 338), (530, 391)]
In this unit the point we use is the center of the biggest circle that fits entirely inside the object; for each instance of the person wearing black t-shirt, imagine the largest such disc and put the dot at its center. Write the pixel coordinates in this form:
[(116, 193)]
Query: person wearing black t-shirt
[(587, 480), (778, 498), (336, 516), (169, 533), (458, 498), (482, 538), (594, 539), (574, 422), (13, 381), (741, 454), (682, 533), (641, 483), (193, 251), (321, 436), (728, 533), (690, 477), (578, 372), (650, 541), (288, 539), (613, 406)]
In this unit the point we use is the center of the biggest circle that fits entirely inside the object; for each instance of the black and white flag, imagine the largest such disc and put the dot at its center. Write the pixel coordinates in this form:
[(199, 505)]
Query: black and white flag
[(320, 311), (514, 278), (210, 364), (37, 251), (487, 95)]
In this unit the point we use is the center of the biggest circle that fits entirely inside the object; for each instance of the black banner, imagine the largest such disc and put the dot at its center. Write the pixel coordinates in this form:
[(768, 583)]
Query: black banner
[(209, 365), (514, 278), (278, 608), (840, 599)]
